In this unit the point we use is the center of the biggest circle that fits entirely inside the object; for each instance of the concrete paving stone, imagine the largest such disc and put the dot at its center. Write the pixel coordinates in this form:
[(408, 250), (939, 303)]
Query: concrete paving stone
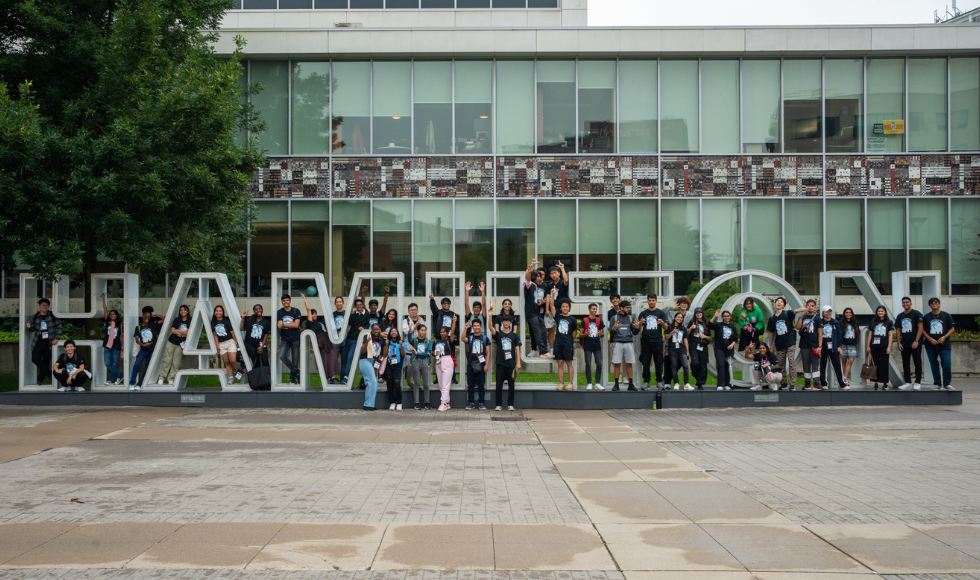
[(315, 555), (630, 436), (336, 533), (511, 439), (183, 555), (108, 545), (785, 548), (440, 556), (595, 471), (578, 452), (402, 437), (635, 451), (439, 534), (342, 436), (565, 438), (457, 438), (549, 547), (230, 534), (964, 538), (715, 502), (625, 502), (672, 475), (295, 435), (16, 539), (897, 549), (699, 436), (665, 547), (688, 575), (785, 535)]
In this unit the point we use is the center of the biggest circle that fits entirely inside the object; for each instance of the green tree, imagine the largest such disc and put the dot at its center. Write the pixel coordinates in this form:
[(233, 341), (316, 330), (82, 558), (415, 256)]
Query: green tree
[(118, 134)]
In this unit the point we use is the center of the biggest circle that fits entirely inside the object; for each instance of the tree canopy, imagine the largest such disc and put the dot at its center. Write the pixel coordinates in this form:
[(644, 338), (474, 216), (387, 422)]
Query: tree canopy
[(119, 137)]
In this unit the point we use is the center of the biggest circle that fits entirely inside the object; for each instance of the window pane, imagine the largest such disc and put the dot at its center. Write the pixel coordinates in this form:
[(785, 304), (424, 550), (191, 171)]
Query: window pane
[(964, 75), (556, 106), (474, 91), (474, 239), (271, 104), (927, 104), (515, 241), (515, 106), (803, 231), (310, 239), (597, 105), (556, 232), (638, 106), (886, 102), (270, 252), (681, 240), (844, 102), (845, 238), (638, 244), (433, 107), (965, 275), (927, 235), (433, 242), (760, 106), (352, 107), (350, 243), (311, 108), (763, 235), (392, 108), (721, 236), (679, 106), (886, 241), (597, 244), (719, 106), (801, 105), (393, 240)]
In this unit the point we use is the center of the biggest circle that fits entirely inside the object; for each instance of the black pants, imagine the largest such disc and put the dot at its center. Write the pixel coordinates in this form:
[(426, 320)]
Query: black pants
[(539, 336), (913, 355), (79, 380), (834, 357), (393, 381), (258, 359), (721, 366), (678, 361), (589, 355), (879, 358), (476, 381), (699, 364), (41, 357), (505, 374), (656, 351)]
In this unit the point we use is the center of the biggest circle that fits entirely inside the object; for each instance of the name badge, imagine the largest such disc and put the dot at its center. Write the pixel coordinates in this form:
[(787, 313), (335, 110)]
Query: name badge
[(44, 336), (508, 356), (699, 347), (377, 364), (483, 359), (182, 344)]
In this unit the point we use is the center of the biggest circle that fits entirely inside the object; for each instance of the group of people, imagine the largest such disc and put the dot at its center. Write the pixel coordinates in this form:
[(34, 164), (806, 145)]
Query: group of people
[(673, 344)]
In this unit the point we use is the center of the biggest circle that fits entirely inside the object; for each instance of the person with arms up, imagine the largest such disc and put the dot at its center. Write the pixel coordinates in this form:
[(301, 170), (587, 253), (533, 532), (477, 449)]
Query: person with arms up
[(287, 321), (937, 326), (831, 348), (47, 331), (880, 345), (556, 290), (443, 318), (224, 335), (809, 346), (477, 312), (699, 341), (508, 359), (112, 333), (653, 321), (766, 369), (565, 326), (534, 306), (69, 369), (678, 348), (370, 362), (374, 317), (444, 363), (725, 337), (478, 364), (592, 330), (331, 364), (782, 337), (173, 350), (623, 327), (419, 370), (908, 325), (146, 335), (359, 320), (256, 329), (849, 351)]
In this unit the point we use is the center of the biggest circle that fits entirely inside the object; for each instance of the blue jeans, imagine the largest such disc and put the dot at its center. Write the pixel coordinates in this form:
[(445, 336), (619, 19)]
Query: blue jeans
[(475, 381), (349, 359), (285, 347), (143, 356), (932, 353), (366, 367), (111, 358)]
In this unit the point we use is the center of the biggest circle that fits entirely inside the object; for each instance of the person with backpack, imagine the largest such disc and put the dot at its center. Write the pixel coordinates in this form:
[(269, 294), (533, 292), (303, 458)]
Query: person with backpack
[(331, 364), (47, 331), (699, 341), (508, 360), (831, 347), (678, 348), (419, 371), (478, 361), (591, 335), (369, 364), (412, 320)]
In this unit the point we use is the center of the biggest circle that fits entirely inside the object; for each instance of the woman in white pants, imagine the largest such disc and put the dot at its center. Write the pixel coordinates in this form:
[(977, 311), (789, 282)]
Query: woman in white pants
[(766, 371)]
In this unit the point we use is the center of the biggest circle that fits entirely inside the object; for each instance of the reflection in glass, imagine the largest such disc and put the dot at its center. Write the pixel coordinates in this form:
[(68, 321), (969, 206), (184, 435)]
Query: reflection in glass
[(352, 107), (763, 235), (515, 106), (681, 241), (515, 241), (965, 275), (927, 236), (434, 243), (392, 108), (556, 233), (556, 106), (638, 245), (802, 127), (393, 240), (597, 106), (886, 102), (845, 239), (886, 241), (311, 232), (760, 106), (311, 108), (638, 106), (964, 98), (679, 106), (927, 104), (272, 104), (719, 106), (270, 252), (474, 239), (474, 91), (844, 104), (350, 243), (721, 238), (597, 246), (803, 231), (433, 107)]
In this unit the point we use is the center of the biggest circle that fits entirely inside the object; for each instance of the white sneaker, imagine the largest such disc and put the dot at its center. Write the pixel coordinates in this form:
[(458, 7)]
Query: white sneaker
[(62, 389), (137, 388), (498, 408), (756, 388), (905, 387), (231, 381), (398, 407), (599, 387), (948, 388), (79, 389), (510, 408), (916, 387), (391, 407), (533, 353), (117, 381), (688, 387)]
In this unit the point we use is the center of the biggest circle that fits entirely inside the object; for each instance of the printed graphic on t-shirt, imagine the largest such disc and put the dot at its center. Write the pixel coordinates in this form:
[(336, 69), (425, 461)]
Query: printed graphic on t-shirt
[(593, 330), (849, 332), (287, 320), (936, 326), (441, 349), (447, 321), (808, 325), (44, 325), (257, 331), (69, 368), (505, 344), (373, 320), (477, 347), (781, 327), (828, 331), (183, 328), (651, 322), (726, 333), (563, 327), (421, 348), (906, 325), (700, 330), (220, 330), (538, 295), (880, 330), (678, 338), (146, 335), (338, 322)]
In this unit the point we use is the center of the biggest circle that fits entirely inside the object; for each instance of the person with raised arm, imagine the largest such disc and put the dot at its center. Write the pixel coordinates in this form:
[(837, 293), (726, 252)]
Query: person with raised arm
[(535, 303), (725, 337), (331, 364), (508, 360), (256, 329)]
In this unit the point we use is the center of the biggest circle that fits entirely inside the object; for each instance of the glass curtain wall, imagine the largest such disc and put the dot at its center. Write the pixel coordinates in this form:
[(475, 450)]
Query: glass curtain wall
[(679, 106), (637, 106), (927, 104), (474, 239), (886, 241), (760, 106), (964, 98), (886, 103), (764, 240), (680, 227), (556, 106), (270, 250), (311, 130), (433, 243), (515, 107), (844, 105), (845, 239), (597, 245), (392, 233), (515, 240), (721, 236), (272, 104), (433, 110), (556, 233), (350, 246), (392, 115), (351, 108), (803, 124), (803, 232), (474, 98), (597, 106), (638, 226), (719, 106), (965, 249), (310, 239), (927, 236)]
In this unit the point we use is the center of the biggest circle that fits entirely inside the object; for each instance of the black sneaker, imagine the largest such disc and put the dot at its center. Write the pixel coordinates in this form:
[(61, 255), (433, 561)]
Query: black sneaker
[(368, 408), (418, 407), (615, 388), (471, 406), (428, 407), (483, 407), (631, 387), (454, 382)]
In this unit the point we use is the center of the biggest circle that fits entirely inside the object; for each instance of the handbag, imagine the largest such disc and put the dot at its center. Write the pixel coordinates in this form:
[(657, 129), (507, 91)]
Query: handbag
[(816, 352), (869, 371)]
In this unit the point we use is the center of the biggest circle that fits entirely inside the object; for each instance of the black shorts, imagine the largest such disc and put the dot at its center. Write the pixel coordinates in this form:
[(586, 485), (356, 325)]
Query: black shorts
[(564, 353)]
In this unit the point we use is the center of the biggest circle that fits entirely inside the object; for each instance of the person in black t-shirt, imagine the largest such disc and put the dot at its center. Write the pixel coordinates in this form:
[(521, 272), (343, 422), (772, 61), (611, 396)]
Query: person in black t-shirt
[(331, 365), (937, 326), (880, 345), (173, 351), (556, 290), (112, 339), (287, 322), (782, 337), (46, 328), (653, 321), (591, 333), (699, 340), (678, 348), (725, 336), (443, 318), (508, 358), (256, 329), (224, 334), (69, 369), (565, 327), (477, 364), (809, 345), (908, 325), (146, 335), (535, 303), (850, 330)]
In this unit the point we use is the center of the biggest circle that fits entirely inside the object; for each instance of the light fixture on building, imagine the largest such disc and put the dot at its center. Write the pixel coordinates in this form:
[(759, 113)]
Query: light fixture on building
[(396, 118), (484, 116)]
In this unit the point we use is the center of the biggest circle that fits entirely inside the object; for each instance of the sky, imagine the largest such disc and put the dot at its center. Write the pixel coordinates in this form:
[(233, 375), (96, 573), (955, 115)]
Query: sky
[(767, 12)]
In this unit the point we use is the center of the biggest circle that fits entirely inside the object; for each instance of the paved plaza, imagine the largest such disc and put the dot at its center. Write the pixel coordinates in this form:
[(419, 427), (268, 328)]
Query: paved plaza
[(841, 493)]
